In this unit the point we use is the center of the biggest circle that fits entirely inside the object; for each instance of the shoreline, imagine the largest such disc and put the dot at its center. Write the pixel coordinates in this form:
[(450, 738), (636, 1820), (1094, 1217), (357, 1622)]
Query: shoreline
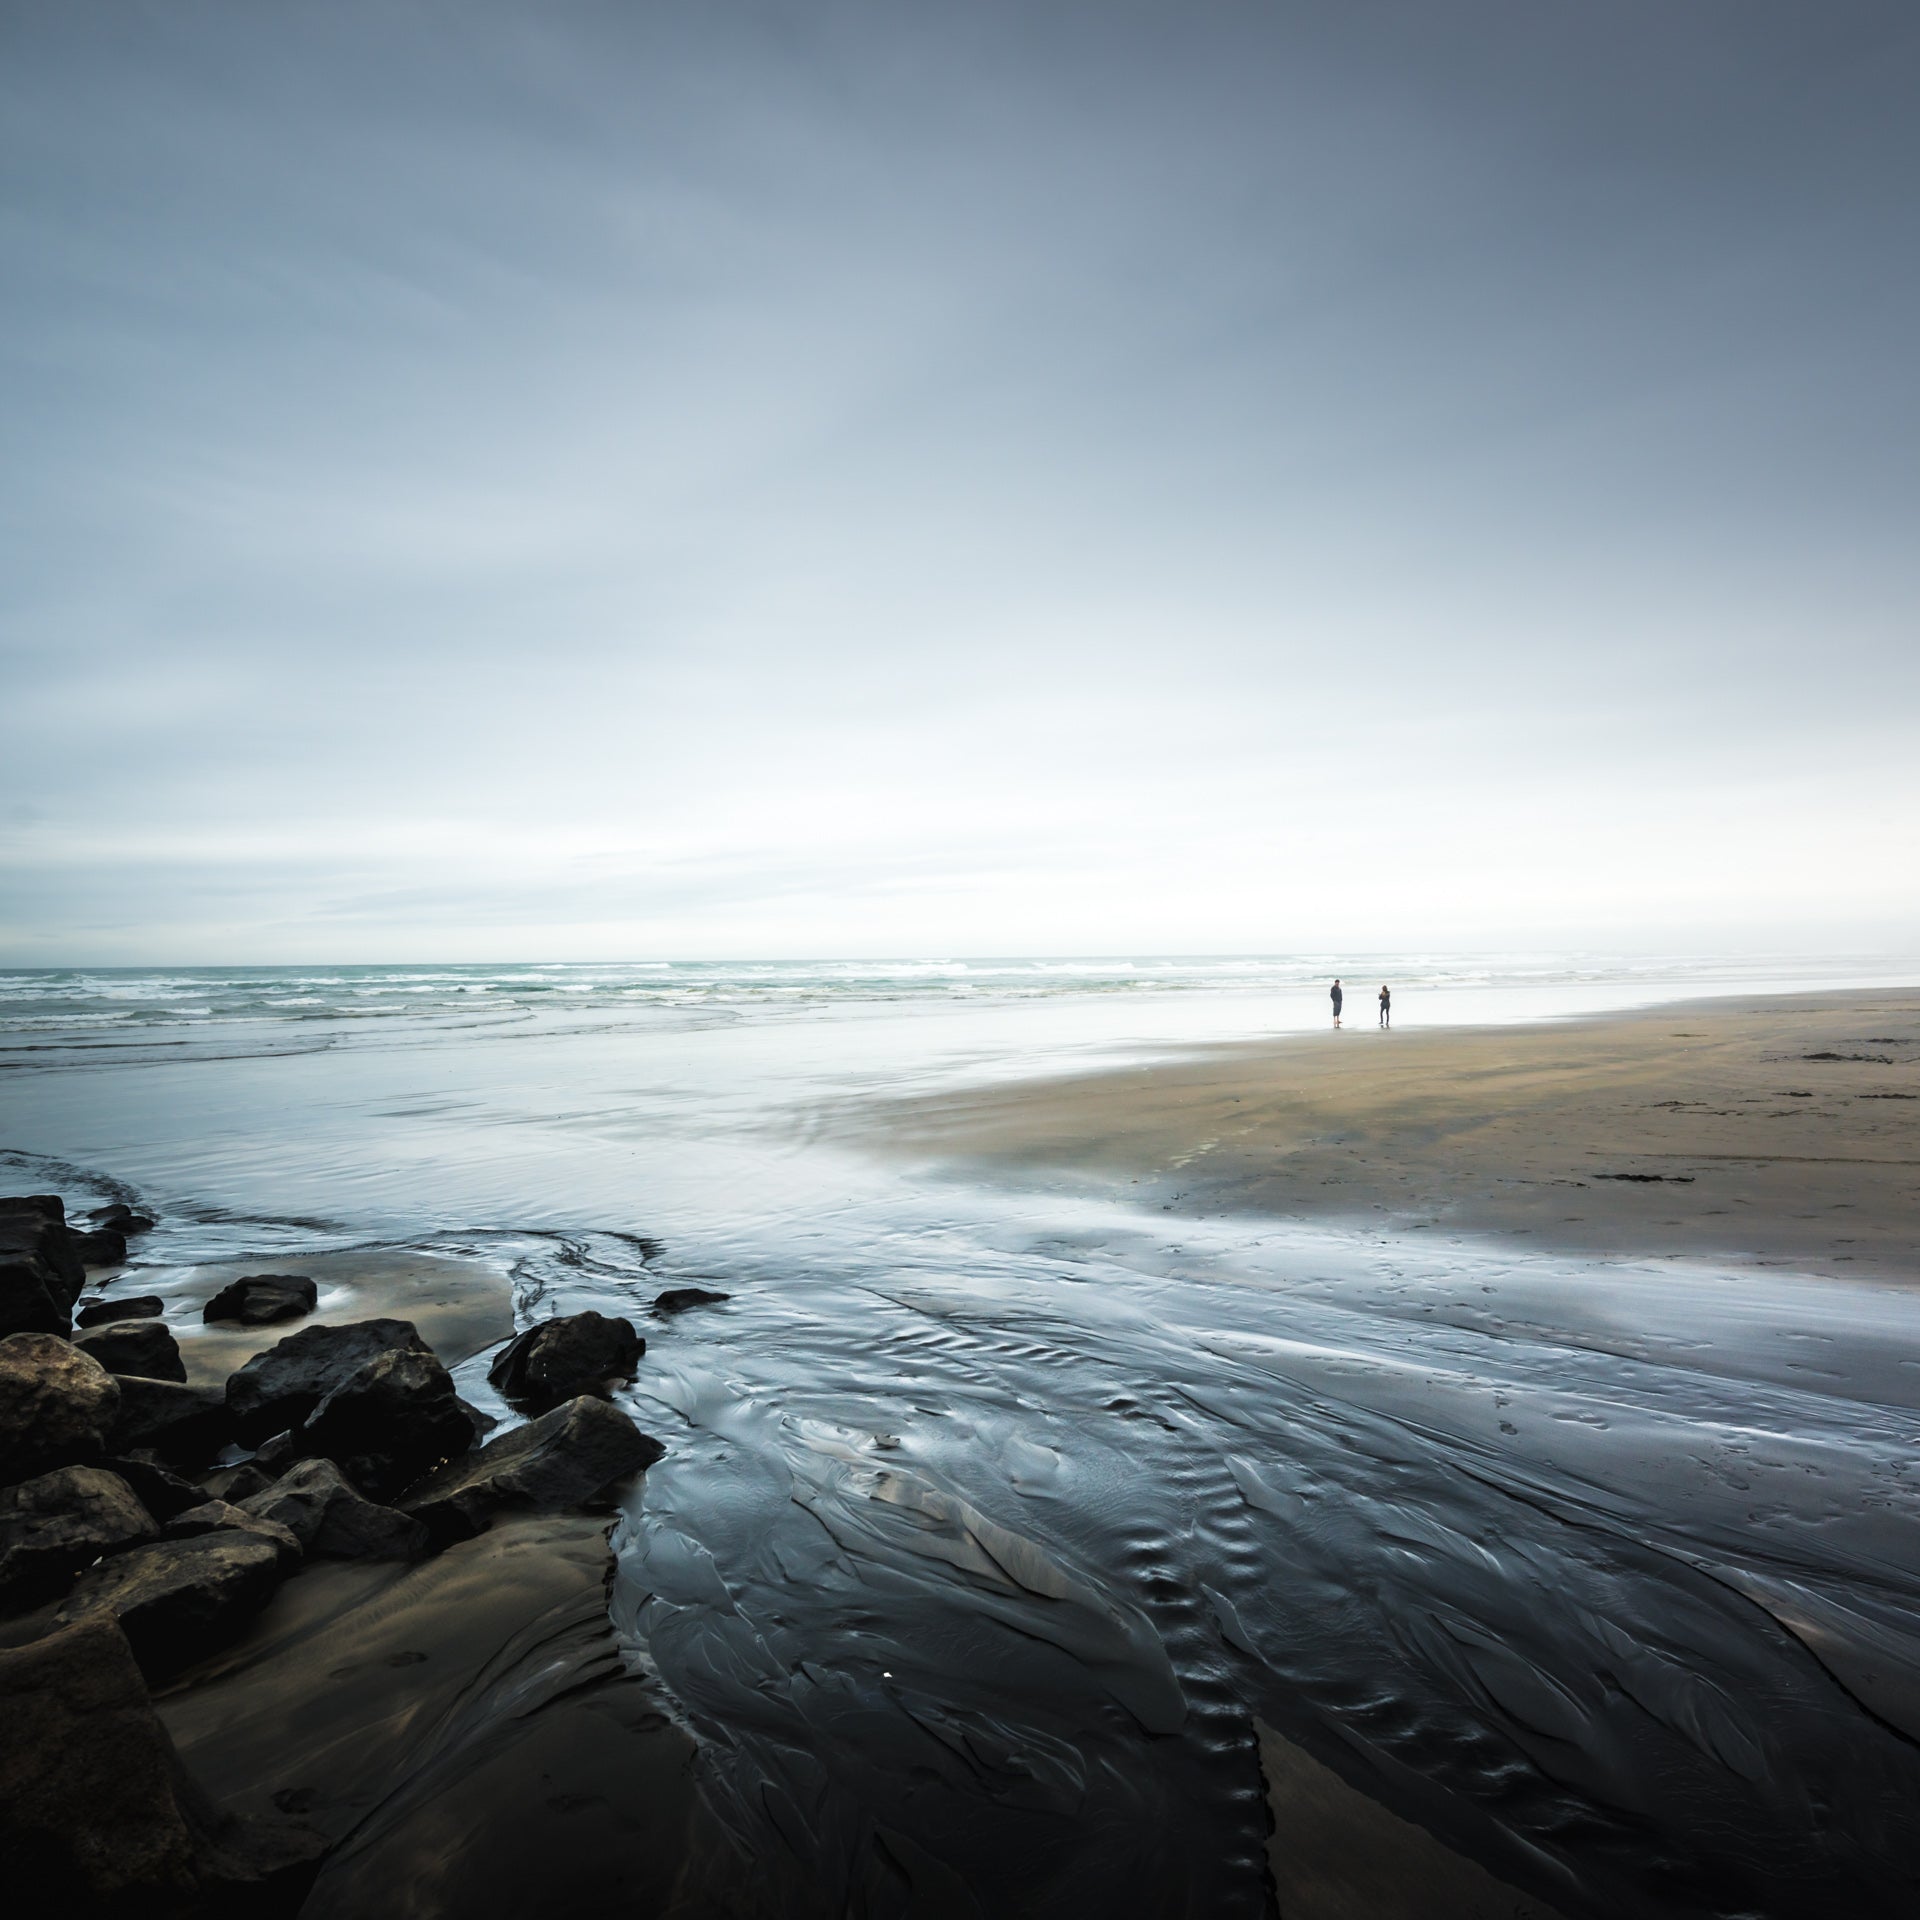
[(1775, 1131), (339, 1693)]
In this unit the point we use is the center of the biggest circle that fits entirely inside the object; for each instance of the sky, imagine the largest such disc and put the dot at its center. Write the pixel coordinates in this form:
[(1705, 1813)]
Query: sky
[(491, 481)]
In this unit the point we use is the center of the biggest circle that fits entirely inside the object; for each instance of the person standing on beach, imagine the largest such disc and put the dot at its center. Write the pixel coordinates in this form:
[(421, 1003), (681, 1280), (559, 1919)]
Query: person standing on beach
[(1386, 1006), (1337, 996)]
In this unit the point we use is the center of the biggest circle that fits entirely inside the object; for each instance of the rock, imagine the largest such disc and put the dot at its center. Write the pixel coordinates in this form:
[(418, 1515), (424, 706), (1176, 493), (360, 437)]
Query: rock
[(33, 1298), (54, 1526), (39, 1276), (121, 1217), (97, 1815), (185, 1426), (262, 1299), (143, 1347), (36, 1224), (136, 1306), (88, 1781), (101, 1247), (219, 1516), (679, 1299), (235, 1483), (161, 1492), (57, 1405), (390, 1421), (333, 1521), (277, 1389), (275, 1456), (483, 1423), (561, 1359), (572, 1457), (179, 1600)]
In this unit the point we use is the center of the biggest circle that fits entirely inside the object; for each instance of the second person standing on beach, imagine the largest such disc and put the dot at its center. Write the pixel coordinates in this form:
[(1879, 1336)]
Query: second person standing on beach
[(1336, 996), (1386, 1006)]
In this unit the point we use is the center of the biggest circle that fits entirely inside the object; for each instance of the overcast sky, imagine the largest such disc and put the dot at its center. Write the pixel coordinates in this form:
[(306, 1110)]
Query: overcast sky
[(492, 480)]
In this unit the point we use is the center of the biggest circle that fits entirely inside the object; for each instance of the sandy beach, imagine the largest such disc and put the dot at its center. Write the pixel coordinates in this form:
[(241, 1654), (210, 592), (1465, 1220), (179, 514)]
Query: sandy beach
[(1781, 1131)]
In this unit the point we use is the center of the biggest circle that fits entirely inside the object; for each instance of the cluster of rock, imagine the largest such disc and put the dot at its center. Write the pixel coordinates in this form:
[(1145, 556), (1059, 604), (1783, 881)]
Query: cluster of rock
[(44, 1261), (137, 1554)]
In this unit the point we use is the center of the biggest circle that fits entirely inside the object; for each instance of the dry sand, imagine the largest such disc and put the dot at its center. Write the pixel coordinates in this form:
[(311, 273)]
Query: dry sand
[(1783, 1131)]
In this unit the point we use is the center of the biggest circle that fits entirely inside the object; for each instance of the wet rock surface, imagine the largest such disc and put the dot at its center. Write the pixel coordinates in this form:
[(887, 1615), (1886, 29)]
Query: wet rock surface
[(35, 1225), (679, 1299), (220, 1516), (178, 1600), (89, 1782), (333, 1520), (144, 1348), (264, 1299), (56, 1525), (186, 1426), (99, 1247), (159, 1489), (277, 1389), (98, 1816), (40, 1277), (573, 1456), (563, 1358), (121, 1217), (391, 1420), (57, 1405), (134, 1306), (32, 1298)]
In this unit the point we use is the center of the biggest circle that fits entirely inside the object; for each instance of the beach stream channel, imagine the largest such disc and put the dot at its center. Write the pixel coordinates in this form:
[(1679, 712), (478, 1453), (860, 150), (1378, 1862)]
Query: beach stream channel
[(1040, 1551)]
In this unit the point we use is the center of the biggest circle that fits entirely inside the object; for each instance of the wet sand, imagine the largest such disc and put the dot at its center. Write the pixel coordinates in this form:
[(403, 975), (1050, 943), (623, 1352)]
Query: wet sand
[(459, 1307), (1783, 1131), (463, 1731)]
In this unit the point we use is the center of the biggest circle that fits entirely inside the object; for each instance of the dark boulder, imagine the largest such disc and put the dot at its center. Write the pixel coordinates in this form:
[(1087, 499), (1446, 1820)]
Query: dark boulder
[(97, 1815), (135, 1306), (332, 1520), (33, 1298), (561, 1359), (179, 1600), (89, 1819), (572, 1457), (220, 1516), (36, 1224), (161, 1491), (186, 1426), (143, 1347), (391, 1420), (99, 1247), (264, 1299), (679, 1299), (121, 1217), (54, 1526), (57, 1405), (277, 1389)]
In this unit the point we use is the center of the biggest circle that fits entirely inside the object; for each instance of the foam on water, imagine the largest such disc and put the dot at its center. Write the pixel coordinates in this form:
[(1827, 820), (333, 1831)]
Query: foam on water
[(33, 1000)]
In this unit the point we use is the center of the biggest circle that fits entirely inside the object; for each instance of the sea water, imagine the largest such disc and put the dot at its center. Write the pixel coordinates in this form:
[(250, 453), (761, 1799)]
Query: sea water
[(994, 1525)]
